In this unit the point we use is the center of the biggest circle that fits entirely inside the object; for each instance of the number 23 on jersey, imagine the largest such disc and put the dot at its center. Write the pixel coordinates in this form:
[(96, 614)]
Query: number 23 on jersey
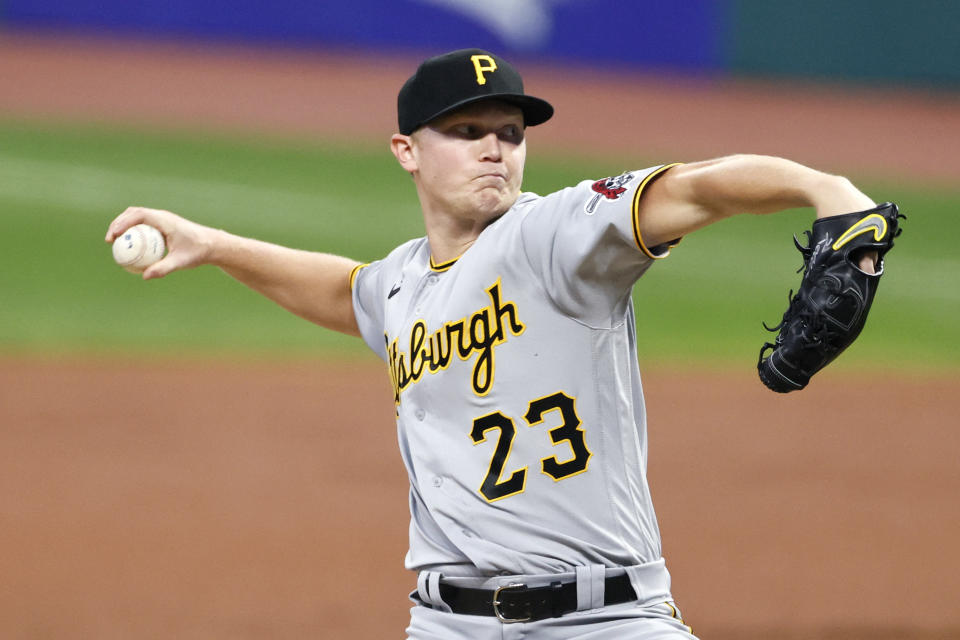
[(567, 432)]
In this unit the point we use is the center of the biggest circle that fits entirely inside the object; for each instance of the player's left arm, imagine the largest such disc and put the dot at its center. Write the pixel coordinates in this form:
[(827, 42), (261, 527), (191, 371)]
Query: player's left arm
[(691, 196), (841, 259)]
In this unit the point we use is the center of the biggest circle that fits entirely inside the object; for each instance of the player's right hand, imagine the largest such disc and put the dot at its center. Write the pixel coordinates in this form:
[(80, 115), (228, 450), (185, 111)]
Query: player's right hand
[(188, 244)]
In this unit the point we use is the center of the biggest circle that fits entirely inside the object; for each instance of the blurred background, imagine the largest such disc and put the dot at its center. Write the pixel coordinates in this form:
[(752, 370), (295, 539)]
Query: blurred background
[(183, 458)]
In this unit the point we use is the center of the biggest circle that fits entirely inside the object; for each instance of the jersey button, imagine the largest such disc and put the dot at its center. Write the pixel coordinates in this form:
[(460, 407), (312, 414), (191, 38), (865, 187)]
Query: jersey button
[(420, 414)]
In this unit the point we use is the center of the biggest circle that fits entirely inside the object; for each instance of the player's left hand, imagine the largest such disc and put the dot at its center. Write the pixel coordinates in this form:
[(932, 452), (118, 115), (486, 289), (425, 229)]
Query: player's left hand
[(843, 262)]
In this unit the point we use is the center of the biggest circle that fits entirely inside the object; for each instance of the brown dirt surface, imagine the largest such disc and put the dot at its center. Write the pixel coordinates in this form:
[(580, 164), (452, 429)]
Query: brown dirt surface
[(241, 500), (206, 500), (885, 132)]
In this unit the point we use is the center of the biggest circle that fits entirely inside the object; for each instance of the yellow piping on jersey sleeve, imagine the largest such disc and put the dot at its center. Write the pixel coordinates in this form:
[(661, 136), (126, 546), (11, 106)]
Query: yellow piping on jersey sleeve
[(635, 213), (354, 271)]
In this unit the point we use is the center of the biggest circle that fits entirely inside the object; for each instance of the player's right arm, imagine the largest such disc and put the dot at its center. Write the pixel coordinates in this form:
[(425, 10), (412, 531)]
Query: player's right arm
[(314, 286)]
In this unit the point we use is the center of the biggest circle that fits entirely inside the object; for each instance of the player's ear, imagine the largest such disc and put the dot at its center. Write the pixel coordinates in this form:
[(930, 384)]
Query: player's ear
[(402, 147)]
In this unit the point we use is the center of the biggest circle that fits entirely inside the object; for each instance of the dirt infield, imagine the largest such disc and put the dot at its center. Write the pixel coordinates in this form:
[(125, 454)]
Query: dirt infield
[(239, 500)]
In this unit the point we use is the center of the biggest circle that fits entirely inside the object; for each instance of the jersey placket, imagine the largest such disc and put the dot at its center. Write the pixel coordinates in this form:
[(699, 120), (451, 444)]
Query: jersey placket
[(424, 286)]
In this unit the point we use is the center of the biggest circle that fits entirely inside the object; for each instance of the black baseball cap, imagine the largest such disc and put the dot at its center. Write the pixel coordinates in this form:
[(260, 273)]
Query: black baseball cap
[(456, 79)]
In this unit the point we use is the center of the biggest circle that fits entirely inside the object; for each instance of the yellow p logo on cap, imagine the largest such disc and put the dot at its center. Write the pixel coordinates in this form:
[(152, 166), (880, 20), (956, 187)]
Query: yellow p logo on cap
[(483, 64)]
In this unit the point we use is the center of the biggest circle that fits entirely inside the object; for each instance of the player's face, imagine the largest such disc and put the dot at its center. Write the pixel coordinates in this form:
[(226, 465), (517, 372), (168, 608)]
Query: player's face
[(469, 164)]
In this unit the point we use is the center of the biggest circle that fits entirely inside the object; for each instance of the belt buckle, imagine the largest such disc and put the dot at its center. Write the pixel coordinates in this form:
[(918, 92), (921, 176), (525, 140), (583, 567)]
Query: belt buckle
[(497, 603)]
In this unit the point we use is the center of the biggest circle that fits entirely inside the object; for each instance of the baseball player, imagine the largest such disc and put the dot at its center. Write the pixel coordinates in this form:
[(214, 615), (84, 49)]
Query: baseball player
[(508, 333)]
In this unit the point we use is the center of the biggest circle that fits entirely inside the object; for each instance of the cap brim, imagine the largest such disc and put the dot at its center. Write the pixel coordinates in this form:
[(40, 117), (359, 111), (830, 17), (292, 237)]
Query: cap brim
[(535, 110)]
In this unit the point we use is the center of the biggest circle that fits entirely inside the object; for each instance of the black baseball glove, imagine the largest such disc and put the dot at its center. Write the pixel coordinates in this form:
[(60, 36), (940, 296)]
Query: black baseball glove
[(830, 308)]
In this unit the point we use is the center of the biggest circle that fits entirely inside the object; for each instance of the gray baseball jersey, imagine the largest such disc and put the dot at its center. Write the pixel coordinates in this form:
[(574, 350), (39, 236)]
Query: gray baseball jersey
[(520, 412)]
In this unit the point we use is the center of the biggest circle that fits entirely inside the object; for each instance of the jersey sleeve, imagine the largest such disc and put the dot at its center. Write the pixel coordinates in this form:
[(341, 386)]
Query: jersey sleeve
[(368, 304), (584, 243), (370, 286)]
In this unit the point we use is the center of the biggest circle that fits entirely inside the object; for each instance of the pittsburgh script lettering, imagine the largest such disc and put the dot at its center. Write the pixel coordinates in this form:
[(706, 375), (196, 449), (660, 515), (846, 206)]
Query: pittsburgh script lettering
[(478, 333)]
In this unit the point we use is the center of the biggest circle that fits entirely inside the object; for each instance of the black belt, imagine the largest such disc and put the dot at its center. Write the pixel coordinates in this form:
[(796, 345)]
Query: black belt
[(520, 603)]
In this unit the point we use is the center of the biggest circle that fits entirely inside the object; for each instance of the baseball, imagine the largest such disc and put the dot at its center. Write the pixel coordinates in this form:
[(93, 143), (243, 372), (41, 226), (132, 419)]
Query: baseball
[(138, 247)]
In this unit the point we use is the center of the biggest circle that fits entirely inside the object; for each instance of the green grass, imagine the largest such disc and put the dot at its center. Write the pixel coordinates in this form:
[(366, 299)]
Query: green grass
[(60, 291), (718, 285)]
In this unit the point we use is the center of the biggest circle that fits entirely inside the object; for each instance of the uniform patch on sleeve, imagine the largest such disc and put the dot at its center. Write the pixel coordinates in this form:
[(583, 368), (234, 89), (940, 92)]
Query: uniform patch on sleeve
[(607, 189)]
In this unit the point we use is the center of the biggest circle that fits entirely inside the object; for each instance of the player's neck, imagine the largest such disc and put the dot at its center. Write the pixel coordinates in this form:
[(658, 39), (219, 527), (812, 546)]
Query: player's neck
[(450, 237), (444, 248)]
